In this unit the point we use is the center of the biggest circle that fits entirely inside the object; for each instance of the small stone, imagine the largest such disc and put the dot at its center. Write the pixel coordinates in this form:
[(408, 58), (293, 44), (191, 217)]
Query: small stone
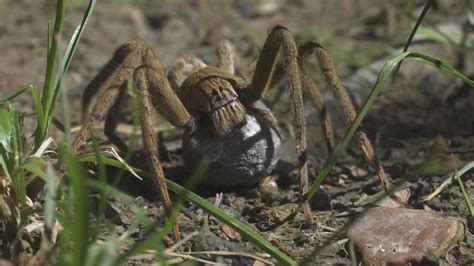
[(321, 200), (399, 236), (268, 187)]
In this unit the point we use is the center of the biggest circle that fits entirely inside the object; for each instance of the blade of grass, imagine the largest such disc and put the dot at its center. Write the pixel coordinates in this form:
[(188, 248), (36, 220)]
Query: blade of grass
[(139, 218), (425, 10), (128, 200), (103, 254), (382, 79), (15, 94), (104, 196), (80, 224), (54, 74), (210, 208), (53, 50), (6, 135), (153, 239), (66, 61), (51, 68), (466, 196), (17, 141), (50, 201), (43, 169), (435, 35), (38, 109), (36, 166), (6, 128), (6, 161)]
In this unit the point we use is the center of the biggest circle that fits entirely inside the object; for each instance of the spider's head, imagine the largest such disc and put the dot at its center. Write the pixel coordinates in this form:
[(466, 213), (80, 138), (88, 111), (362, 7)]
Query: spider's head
[(211, 93)]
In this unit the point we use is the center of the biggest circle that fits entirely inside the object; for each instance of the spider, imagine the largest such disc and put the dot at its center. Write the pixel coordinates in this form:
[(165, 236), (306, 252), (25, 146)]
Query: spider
[(218, 110)]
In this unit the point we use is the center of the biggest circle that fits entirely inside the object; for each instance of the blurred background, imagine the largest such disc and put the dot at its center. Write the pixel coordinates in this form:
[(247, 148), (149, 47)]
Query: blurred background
[(360, 35)]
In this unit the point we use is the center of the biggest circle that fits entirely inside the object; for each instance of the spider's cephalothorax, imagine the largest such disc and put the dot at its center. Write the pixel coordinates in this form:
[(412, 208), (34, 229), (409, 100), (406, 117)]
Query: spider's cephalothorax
[(214, 98), (209, 95)]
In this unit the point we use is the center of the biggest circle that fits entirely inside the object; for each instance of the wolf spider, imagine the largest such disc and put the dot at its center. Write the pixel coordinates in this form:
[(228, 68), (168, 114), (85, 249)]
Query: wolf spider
[(195, 96)]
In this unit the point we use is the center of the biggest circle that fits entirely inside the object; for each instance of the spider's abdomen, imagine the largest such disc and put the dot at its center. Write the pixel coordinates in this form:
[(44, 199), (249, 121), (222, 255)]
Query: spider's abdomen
[(242, 158)]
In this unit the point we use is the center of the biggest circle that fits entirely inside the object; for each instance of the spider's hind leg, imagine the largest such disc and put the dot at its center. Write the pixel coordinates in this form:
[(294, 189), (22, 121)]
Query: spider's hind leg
[(278, 60), (328, 71), (111, 120), (119, 68), (313, 92)]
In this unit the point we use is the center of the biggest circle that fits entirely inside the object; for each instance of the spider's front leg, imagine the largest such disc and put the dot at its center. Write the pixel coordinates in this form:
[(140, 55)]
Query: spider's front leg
[(279, 59), (154, 91)]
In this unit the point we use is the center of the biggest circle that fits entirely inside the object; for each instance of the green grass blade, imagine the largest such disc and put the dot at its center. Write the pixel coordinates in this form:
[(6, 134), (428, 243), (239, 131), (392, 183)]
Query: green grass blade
[(38, 109), (6, 136), (237, 225), (110, 251), (43, 169), (104, 196), (419, 20), (152, 239), (15, 94), (115, 193), (384, 76), (465, 193), (441, 65), (425, 10), (54, 74), (51, 68), (17, 143), (6, 162), (36, 166), (50, 201), (70, 51), (210, 208), (53, 50), (80, 224), (6, 128), (435, 35)]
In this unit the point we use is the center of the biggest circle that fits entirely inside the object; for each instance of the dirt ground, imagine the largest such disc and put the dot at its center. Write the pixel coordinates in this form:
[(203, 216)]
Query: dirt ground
[(422, 125)]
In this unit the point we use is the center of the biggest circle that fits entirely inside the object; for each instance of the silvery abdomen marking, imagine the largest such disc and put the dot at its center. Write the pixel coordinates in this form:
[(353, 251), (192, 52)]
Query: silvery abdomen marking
[(240, 159)]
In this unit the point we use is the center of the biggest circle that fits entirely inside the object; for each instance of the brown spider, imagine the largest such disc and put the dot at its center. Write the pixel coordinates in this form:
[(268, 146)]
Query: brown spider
[(214, 106)]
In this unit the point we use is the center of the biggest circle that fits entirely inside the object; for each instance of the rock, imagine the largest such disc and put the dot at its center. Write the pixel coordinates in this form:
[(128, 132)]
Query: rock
[(399, 236), (268, 188), (320, 201), (381, 199)]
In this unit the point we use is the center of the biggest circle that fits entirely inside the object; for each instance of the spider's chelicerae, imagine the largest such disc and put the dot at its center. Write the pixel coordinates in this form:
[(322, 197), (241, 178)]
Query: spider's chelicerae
[(221, 113)]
